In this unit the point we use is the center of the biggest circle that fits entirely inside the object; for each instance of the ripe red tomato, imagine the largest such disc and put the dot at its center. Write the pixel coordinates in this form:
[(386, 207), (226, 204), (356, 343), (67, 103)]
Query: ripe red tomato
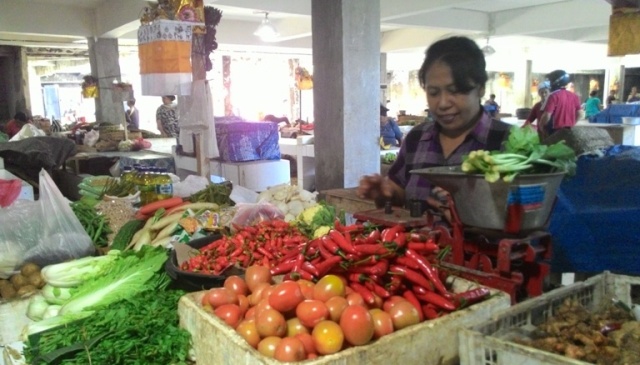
[(255, 275), (286, 296), (270, 322), (391, 301), (382, 323), (307, 288), (267, 345), (404, 314), (256, 294), (327, 337), (250, 313), (328, 286), (336, 305), (355, 299), (294, 327), (230, 314), (236, 284), (247, 329), (357, 325), (310, 312), (243, 303), (290, 349), (220, 296), (307, 340)]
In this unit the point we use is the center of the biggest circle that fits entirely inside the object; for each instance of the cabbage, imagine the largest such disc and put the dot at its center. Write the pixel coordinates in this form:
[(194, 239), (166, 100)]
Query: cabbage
[(76, 272)]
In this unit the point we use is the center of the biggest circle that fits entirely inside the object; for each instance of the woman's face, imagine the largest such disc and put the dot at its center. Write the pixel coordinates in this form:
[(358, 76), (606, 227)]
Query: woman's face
[(543, 93), (451, 109), (634, 90), (166, 100)]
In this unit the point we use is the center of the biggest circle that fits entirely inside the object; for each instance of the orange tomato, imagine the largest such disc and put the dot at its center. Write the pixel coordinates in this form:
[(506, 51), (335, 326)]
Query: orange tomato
[(310, 312), (236, 284), (327, 337), (307, 288), (267, 345), (286, 296), (307, 340), (327, 287), (243, 303), (294, 327), (247, 329), (382, 322), (219, 296), (256, 274), (355, 299), (391, 301), (290, 349), (404, 314), (270, 322), (336, 305), (357, 325), (256, 294), (230, 314), (250, 313), (262, 305)]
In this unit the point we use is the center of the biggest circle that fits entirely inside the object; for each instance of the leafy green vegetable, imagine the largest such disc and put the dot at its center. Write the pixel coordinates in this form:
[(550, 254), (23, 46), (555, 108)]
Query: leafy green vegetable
[(523, 154), (319, 215), (139, 331), (76, 272)]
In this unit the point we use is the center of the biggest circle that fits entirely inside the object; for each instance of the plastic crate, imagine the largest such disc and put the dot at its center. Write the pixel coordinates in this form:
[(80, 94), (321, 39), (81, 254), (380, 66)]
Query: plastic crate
[(430, 342), (487, 343)]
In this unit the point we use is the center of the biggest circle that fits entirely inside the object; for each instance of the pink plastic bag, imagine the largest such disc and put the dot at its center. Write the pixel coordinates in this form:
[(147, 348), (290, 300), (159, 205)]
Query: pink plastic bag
[(9, 191)]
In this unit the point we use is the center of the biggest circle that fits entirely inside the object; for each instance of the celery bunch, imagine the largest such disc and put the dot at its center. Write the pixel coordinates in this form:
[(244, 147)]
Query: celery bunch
[(523, 154)]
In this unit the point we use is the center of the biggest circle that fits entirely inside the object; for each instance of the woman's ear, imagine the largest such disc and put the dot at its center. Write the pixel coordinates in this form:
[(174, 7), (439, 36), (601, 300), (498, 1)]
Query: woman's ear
[(481, 91)]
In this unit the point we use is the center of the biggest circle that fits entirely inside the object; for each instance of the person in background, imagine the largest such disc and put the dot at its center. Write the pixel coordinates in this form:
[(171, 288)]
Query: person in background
[(167, 117), (492, 106), (536, 111), (390, 133), (562, 108), (132, 116), (633, 95), (593, 105), (15, 125), (453, 75), (611, 98)]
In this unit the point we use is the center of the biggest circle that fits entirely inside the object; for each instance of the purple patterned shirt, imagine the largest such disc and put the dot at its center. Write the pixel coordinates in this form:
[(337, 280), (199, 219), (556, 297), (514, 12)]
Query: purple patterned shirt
[(421, 148)]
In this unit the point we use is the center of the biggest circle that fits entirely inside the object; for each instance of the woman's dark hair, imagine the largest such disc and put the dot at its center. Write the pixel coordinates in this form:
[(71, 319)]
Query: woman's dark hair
[(464, 57), (21, 117), (170, 97), (593, 93)]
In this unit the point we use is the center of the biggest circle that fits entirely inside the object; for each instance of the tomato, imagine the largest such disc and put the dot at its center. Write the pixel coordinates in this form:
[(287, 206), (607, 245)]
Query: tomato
[(255, 275), (294, 327), (270, 322), (307, 340), (377, 302), (247, 329), (311, 312), (263, 305), (230, 314), (404, 314), (286, 296), (220, 296), (329, 286), (307, 288), (391, 302), (290, 349), (250, 313), (236, 284), (327, 337), (256, 294), (357, 325), (355, 299), (336, 305), (268, 345), (382, 323), (243, 303)]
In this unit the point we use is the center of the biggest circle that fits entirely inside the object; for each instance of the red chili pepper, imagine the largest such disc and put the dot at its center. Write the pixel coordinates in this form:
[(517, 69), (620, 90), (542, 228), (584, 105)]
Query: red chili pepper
[(337, 224), (389, 234), (437, 300), (263, 251), (331, 246), (352, 228), (429, 311), (325, 266), (283, 267), (298, 263), (373, 237), (380, 268), (400, 240), (342, 242), (412, 276), (325, 253), (409, 296), (394, 283), (307, 266), (367, 295), (265, 261), (357, 277), (470, 297), (427, 270), (405, 261), (371, 249), (418, 237), (421, 289), (376, 288), (302, 274)]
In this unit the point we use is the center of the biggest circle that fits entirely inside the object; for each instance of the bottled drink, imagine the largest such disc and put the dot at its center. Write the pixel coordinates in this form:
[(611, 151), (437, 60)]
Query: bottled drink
[(127, 174), (164, 185), (146, 186)]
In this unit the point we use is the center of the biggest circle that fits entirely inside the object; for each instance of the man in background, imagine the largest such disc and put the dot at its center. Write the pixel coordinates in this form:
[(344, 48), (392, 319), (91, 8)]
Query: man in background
[(491, 106), (562, 108)]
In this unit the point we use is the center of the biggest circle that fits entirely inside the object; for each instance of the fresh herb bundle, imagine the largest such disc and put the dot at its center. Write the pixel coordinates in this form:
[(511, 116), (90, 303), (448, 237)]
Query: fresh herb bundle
[(523, 154), (140, 331)]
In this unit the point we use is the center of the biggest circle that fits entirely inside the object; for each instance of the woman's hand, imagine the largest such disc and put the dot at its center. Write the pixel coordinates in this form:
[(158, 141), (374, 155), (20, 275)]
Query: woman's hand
[(380, 189), (439, 200)]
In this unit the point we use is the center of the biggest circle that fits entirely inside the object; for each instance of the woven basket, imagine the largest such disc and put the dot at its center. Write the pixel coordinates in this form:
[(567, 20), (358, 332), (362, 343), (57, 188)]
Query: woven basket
[(118, 135)]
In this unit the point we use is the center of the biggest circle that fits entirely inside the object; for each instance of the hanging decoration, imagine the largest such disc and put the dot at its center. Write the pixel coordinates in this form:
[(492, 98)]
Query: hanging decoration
[(89, 87), (304, 80)]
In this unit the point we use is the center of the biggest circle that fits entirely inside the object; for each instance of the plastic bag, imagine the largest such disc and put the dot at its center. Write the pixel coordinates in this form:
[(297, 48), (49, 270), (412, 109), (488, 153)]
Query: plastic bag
[(91, 138), (252, 214), (28, 130), (190, 185), (44, 232), (9, 191)]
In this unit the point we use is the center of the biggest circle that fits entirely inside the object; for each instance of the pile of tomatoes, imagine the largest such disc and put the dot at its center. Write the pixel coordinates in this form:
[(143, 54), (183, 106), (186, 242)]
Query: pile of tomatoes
[(298, 320)]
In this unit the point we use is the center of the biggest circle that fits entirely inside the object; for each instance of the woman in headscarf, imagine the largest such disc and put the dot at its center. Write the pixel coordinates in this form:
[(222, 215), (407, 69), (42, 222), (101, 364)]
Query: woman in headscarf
[(536, 111), (167, 117)]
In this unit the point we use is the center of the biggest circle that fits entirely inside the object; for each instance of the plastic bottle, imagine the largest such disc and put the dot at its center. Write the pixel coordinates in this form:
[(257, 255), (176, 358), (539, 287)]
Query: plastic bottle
[(127, 174), (146, 186), (164, 185)]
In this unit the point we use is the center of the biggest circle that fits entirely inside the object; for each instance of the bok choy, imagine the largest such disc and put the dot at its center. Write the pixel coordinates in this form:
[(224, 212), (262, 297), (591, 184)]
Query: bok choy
[(74, 273)]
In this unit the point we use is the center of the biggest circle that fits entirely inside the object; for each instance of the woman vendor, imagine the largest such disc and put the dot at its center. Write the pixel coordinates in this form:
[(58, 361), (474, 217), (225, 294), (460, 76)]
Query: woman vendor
[(453, 75)]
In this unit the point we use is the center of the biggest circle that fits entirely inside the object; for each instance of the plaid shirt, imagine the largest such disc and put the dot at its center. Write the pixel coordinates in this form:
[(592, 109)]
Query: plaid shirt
[(421, 148)]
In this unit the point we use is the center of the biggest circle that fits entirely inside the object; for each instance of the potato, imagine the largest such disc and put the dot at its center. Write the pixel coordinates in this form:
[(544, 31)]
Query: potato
[(36, 279), (29, 268), (18, 281), (7, 292), (5, 282), (26, 291)]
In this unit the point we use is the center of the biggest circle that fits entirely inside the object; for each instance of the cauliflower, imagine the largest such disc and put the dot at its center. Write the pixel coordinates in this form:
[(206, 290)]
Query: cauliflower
[(315, 217), (307, 215), (321, 231)]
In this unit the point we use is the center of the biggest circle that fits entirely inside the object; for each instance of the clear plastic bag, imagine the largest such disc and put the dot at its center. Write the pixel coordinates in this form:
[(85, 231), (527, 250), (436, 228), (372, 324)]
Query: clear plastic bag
[(251, 214), (44, 232)]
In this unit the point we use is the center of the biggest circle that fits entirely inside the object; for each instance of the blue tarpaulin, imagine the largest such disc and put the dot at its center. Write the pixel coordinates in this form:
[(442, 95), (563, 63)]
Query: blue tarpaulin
[(595, 223), (613, 113), (240, 140)]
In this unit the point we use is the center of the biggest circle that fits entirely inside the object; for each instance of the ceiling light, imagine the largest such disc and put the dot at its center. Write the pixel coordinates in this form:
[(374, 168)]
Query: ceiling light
[(266, 31), (488, 50)]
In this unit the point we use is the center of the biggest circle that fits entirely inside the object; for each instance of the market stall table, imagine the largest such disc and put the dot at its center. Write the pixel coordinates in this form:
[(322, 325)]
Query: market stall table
[(142, 158), (302, 148)]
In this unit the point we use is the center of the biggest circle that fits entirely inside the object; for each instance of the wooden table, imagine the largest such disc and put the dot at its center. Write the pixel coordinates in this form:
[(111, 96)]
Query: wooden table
[(346, 199)]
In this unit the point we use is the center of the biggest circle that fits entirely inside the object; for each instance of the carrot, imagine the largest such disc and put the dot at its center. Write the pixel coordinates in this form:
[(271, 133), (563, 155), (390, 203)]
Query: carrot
[(142, 217), (150, 208)]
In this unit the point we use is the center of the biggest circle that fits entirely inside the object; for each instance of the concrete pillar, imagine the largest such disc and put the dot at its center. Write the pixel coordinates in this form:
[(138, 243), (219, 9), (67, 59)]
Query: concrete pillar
[(384, 82), (105, 66), (14, 80), (528, 98), (346, 67)]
